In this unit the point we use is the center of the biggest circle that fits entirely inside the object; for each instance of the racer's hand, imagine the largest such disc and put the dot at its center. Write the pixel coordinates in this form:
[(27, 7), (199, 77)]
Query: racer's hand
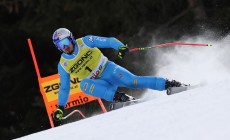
[(122, 51), (57, 115)]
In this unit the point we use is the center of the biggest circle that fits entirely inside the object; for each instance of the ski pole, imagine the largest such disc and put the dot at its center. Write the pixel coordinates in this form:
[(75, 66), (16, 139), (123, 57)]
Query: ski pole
[(71, 113), (169, 44)]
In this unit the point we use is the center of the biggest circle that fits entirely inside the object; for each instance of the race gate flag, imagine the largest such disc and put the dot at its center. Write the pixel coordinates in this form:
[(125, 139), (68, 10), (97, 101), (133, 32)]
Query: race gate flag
[(50, 85)]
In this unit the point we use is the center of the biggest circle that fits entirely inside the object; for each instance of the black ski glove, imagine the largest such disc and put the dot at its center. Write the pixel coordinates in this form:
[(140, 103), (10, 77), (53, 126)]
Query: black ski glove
[(122, 51), (57, 116)]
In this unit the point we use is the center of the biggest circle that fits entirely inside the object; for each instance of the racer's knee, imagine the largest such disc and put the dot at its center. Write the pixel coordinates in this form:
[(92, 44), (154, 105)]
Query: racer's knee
[(84, 85), (98, 88), (131, 82)]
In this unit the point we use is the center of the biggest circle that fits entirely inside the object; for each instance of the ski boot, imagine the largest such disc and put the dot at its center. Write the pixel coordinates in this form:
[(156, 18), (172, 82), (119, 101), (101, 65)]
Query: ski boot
[(174, 86), (122, 97), (121, 100), (172, 83)]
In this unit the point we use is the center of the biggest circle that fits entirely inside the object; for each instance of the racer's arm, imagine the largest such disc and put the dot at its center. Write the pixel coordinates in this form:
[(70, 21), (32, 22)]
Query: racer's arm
[(63, 94), (102, 42)]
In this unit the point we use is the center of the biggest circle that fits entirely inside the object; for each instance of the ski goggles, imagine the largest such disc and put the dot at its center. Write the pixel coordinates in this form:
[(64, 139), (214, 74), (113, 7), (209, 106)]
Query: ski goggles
[(62, 43)]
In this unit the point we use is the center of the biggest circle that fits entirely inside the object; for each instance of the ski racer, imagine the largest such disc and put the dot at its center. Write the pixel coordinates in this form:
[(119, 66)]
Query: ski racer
[(99, 76)]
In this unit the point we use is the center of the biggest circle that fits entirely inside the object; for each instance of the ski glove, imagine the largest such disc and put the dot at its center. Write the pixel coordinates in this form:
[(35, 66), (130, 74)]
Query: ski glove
[(57, 115), (122, 51)]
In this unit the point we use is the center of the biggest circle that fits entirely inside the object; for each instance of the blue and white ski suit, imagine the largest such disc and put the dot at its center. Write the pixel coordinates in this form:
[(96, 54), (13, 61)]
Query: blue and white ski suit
[(110, 78)]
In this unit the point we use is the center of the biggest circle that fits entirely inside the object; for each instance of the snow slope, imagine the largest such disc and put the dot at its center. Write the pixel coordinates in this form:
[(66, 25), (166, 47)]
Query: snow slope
[(198, 114)]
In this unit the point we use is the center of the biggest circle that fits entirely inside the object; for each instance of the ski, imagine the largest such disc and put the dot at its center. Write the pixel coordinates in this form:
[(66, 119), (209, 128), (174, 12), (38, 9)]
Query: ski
[(117, 105), (169, 91), (173, 90)]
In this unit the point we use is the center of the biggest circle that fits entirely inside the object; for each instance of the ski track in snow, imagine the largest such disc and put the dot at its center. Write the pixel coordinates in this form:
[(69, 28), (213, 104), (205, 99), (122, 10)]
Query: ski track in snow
[(198, 114)]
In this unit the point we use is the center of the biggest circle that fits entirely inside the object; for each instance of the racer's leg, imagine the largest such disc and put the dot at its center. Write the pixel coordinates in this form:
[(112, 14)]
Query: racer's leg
[(120, 76), (98, 88)]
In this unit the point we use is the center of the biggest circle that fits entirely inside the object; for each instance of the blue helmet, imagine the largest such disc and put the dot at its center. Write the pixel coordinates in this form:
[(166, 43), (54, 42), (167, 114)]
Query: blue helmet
[(62, 37)]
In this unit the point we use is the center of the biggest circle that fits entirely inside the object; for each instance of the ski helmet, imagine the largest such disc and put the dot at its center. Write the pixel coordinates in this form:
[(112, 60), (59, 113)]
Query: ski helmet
[(62, 37)]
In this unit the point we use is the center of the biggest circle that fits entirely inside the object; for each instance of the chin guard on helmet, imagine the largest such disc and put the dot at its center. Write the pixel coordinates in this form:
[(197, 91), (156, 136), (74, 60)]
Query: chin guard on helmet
[(62, 34)]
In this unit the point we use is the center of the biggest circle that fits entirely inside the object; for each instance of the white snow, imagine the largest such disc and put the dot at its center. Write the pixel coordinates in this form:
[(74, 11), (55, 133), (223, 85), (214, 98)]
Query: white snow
[(198, 114)]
